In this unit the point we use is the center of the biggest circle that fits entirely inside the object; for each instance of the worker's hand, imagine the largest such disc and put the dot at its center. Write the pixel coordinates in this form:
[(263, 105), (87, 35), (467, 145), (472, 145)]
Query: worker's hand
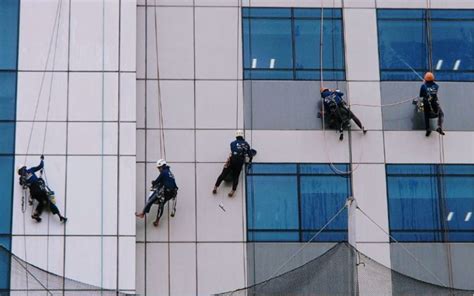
[(42, 156)]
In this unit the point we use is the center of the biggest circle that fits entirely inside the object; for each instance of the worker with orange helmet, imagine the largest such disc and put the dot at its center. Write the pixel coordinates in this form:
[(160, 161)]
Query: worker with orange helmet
[(432, 109)]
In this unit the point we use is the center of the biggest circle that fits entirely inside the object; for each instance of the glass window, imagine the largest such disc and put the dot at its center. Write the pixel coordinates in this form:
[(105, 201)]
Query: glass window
[(9, 10), (409, 38), (7, 95), (285, 44), (431, 202), (292, 202), (7, 140), (6, 193), (4, 264)]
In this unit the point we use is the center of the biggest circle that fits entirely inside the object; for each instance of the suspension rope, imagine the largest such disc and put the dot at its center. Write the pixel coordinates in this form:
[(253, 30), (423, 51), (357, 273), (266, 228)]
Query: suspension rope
[(102, 154), (326, 150), (56, 20), (404, 248), (55, 30), (160, 102)]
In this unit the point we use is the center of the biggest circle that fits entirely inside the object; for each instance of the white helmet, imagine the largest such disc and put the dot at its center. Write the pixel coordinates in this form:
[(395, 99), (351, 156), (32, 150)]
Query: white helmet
[(160, 163), (239, 133)]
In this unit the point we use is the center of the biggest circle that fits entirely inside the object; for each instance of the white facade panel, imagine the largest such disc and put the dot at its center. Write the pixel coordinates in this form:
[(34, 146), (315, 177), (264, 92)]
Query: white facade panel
[(368, 94), (411, 147), (28, 98), (183, 269), (175, 42), (216, 104), (40, 23), (217, 56), (94, 35), (214, 274), (360, 37)]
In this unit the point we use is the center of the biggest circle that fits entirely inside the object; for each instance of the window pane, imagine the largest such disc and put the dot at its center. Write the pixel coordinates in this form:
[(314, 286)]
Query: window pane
[(460, 203), (321, 198), (458, 169), (270, 168), (307, 44), (266, 12), (273, 236), (8, 34), (402, 45), (322, 168), (413, 203), (7, 138), (400, 14), (452, 14), (272, 202), (411, 169), (6, 193), (7, 95), (453, 48), (271, 44), (4, 264)]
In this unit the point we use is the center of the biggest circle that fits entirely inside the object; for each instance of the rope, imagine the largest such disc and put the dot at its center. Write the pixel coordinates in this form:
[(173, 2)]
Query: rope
[(404, 248), (326, 150), (160, 103), (58, 13), (102, 155)]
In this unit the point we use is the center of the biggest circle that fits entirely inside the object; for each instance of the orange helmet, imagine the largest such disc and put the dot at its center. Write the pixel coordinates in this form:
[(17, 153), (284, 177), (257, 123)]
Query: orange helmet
[(429, 76), (322, 89)]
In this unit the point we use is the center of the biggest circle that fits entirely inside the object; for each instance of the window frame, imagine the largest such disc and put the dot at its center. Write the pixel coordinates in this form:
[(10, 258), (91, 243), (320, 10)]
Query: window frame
[(301, 231), (443, 233), (335, 14), (427, 22)]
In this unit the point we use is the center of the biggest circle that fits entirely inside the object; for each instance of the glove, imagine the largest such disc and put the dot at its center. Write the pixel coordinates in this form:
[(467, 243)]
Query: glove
[(42, 157)]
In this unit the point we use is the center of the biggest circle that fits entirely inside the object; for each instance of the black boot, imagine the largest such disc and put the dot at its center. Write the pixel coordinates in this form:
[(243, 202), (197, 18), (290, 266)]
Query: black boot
[(428, 133), (62, 219), (440, 131), (36, 217)]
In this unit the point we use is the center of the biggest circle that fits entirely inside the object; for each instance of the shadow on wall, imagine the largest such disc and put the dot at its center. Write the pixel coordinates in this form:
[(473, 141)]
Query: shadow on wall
[(456, 99), (284, 105)]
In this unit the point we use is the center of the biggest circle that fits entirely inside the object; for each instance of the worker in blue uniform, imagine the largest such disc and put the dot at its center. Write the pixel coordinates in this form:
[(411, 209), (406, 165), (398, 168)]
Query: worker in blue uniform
[(39, 191), (239, 150), (337, 111), (164, 188), (431, 107)]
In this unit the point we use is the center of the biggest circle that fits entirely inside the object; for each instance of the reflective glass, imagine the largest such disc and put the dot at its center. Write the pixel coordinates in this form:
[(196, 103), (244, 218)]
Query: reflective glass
[(282, 46), (453, 49), (408, 38), (431, 202), (7, 138), (5, 241), (273, 202), (7, 95), (6, 193), (292, 202), (8, 34)]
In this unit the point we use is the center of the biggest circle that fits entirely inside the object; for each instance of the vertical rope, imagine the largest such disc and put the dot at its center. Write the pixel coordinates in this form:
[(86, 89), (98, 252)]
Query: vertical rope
[(102, 155)]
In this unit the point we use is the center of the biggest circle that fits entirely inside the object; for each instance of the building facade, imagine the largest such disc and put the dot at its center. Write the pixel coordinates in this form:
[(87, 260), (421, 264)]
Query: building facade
[(120, 84)]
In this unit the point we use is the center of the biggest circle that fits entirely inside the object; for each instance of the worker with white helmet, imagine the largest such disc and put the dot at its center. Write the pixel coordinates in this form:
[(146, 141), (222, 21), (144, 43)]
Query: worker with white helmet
[(164, 189), (240, 149)]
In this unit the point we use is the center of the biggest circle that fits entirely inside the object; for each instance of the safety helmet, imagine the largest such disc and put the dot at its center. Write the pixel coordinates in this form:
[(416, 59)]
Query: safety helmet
[(160, 163), (323, 89), (239, 133), (429, 76)]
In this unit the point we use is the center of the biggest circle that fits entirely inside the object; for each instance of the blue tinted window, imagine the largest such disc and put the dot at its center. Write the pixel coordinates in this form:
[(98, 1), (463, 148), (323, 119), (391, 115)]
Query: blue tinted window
[(284, 205), (6, 193), (8, 34), (7, 139), (408, 39), (4, 263), (436, 205), (7, 95), (285, 44)]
